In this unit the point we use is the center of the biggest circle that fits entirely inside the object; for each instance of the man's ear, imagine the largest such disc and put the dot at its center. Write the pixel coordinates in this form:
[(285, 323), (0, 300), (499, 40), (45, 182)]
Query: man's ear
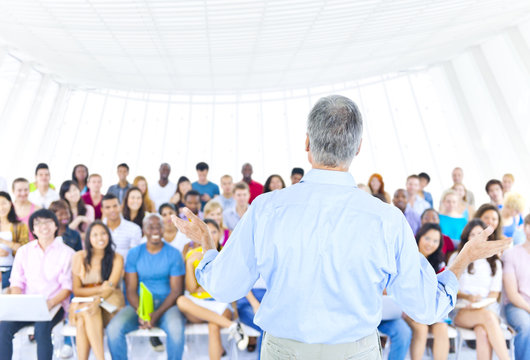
[(307, 143)]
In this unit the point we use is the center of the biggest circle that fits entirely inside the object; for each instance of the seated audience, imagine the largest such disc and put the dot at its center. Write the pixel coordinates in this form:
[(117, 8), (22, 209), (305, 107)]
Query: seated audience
[(96, 273), (80, 177), (507, 182), (171, 235), (192, 200), (206, 188), (377, 188), (183, 186), (120, 189), (133, 207), (160, 268), (41, 267), (425, 179), (481, 280), (13, 234), (226, 199), (430, 244), (255, 188), (274, 182), (495, 192), (94, 196), (23, 207), (451, 220), (43, 194), (464, 207), (296, 175), (198, 306), (458, 177), (162, 190), (82, 214), (141, 183), (213, 210), (232, 215), (511, 213), (415, 201), (516, 279), (400, 200), (432, 216), (491, 216), (125, 234), (70, 237)]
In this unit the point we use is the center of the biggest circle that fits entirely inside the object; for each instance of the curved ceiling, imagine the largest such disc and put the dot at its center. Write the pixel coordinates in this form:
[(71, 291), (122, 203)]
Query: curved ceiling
[(242, 45)]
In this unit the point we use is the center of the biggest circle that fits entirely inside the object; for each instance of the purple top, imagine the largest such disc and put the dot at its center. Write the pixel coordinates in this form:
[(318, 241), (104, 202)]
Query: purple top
[(413, 219)]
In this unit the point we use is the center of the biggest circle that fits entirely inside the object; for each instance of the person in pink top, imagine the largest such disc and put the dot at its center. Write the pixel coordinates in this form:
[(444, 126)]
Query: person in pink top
[(40, 267)]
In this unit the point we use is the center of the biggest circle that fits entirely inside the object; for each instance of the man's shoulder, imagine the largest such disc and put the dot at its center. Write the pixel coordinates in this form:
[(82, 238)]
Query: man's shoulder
[(129, 225)]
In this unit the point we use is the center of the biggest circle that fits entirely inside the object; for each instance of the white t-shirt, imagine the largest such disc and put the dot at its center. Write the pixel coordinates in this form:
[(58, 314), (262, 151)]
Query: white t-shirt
[(161, 194), (480, 282), (43, 201)]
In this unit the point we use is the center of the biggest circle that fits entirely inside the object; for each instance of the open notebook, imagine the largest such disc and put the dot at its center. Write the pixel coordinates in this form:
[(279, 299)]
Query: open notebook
[(21, 307)]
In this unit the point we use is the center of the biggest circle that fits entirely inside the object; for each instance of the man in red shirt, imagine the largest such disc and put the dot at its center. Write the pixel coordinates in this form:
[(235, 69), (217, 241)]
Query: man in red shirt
[(255, 187)]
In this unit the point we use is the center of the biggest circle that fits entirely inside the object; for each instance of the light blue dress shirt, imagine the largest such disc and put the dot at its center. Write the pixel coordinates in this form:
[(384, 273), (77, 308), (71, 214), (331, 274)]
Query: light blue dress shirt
[(326, 251)]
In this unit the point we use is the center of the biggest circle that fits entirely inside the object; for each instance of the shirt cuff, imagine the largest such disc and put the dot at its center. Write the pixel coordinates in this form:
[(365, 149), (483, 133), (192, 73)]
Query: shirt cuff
[(448, 279), (207, 258)]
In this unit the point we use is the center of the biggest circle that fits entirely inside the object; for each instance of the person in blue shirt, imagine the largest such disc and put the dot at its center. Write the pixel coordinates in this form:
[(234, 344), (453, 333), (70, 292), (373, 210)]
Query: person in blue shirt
[(425, 179), (123, 185), (207, 189), (326, 250), (161, 268)]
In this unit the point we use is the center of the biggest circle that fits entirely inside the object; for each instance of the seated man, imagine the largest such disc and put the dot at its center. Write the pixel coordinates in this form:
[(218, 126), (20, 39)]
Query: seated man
[(40, 267), (192, 200), (161, 268)]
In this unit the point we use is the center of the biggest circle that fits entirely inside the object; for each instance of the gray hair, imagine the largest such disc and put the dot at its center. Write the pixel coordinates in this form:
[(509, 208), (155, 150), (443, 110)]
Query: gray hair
[(147, 217), (335, 128)]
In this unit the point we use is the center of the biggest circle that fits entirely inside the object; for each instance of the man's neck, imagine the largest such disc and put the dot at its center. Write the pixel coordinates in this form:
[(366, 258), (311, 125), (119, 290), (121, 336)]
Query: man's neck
[(123, 183), (113, 224), (43, 190), (241, 208), (153, 249), (331, 168), (94, 194), (163, 182), (45, 243), (227, 195), (203, 182), (247, 180)]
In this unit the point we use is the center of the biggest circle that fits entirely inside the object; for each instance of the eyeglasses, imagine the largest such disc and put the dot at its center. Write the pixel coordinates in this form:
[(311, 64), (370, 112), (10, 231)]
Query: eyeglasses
[(41, 222)]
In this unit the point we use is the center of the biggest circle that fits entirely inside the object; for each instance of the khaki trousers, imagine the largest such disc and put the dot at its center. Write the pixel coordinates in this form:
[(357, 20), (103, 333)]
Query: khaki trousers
[(367, 348)]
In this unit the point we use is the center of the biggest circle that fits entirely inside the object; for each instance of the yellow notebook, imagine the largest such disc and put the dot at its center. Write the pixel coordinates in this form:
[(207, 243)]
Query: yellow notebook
[(145, 305)]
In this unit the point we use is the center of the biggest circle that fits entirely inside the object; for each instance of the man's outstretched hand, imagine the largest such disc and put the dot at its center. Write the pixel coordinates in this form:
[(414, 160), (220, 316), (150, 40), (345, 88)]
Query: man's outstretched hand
[(194, 228), (478, 248)]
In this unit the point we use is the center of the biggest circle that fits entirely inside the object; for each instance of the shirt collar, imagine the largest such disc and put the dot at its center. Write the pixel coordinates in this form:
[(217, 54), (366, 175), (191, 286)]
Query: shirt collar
[(57, 240), (342, 178)]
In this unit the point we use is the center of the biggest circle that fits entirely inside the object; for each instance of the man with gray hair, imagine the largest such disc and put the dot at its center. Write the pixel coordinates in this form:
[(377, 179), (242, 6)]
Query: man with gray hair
[(326, 251)]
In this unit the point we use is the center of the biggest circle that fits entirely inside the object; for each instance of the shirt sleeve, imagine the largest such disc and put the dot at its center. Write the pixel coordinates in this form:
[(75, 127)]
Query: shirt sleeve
[(65, 276), (423, 295), (18, 276), (132, 259), (496, 282), (229, 275)]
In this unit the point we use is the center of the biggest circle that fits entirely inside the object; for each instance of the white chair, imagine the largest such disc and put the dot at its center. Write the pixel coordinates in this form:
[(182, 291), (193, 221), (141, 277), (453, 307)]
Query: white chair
[(469, 334)]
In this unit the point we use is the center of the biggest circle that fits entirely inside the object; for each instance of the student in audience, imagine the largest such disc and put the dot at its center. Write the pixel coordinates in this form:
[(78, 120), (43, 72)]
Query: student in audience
[(507, 182), (125, 233), (458, 177), (491, 216), (206, 188), (516, 279), (255, 188), (415, 201), (430, 244), (141, 183), (463, 206), (296, 175), (94, 196), (41, 267), (23, 207), (274, 182), (96, 273), (162, 190), (82, 214), (451, 220), (43, 194), (425, 179), (161, 268), (120, 189), (511, 213), (483, 279), (80, 177), (171, 235), (377, 188), (13, 234), (198, 306), (400, 336), (192, 200), (133, 207), (495, 192), (232, 215), (400, 200), (213, 210), (432, 216), (70, 237), (183, 186), (226, 199)]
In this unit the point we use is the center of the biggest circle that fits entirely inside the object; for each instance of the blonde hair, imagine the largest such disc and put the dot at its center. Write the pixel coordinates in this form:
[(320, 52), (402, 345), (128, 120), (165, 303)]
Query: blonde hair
[(447, 193), (211, 206), (514, 201), (149, 204), (509, 176)]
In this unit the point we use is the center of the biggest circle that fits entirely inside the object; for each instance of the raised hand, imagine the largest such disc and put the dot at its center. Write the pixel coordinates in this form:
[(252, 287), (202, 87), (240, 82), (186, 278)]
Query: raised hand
[(480, 248)]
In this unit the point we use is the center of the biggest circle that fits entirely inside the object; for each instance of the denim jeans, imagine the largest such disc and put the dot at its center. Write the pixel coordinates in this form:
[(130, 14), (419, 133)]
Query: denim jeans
[(246, 314), (400, 335), (172, 322), (5, 278), (43, 336), (519, 319)]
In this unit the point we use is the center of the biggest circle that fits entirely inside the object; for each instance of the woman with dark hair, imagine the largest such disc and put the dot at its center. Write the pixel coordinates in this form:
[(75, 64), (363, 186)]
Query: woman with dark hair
[(481, 281), (133, 206), (274, 182), (80, 177), (491, 216), (430, 243), (82, 214), (377, 188), (183, 186), (96, 273), (13, 234)]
